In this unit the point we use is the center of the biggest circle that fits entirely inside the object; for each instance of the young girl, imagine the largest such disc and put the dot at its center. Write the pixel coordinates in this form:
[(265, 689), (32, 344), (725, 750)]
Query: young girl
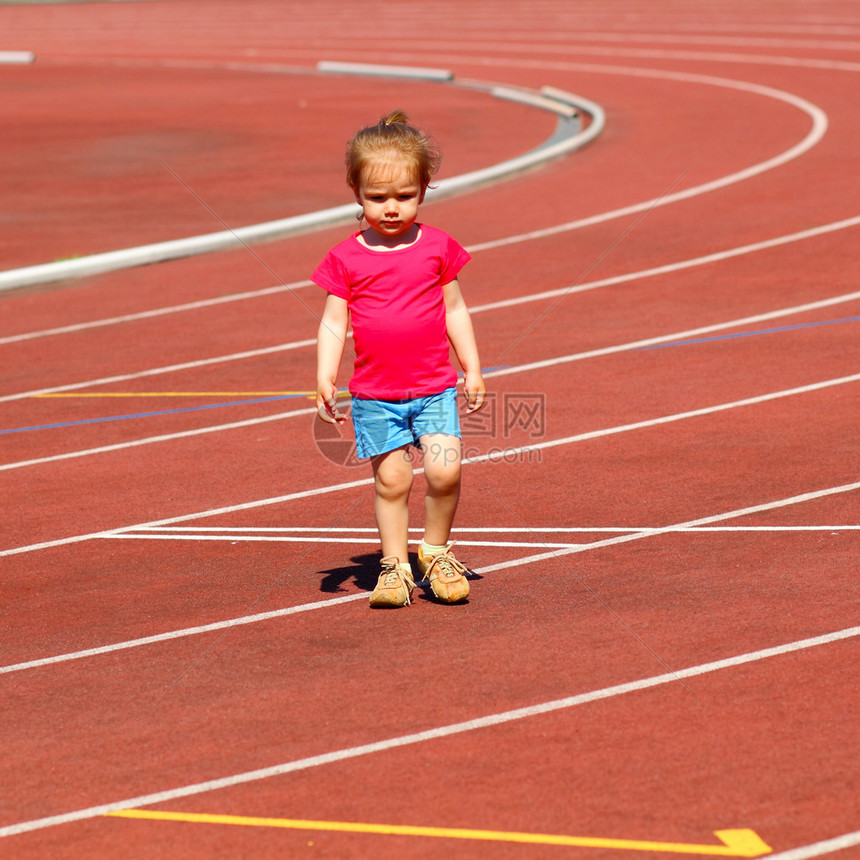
[(397, 282)]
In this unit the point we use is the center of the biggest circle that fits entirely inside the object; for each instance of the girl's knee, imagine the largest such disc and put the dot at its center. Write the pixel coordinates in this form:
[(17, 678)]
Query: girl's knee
[(393, 475), (442, 468), (445, 480)]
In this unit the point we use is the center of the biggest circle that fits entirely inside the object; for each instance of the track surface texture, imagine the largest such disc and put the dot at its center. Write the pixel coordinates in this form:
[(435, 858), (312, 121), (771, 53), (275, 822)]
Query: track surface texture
[(661, 503)]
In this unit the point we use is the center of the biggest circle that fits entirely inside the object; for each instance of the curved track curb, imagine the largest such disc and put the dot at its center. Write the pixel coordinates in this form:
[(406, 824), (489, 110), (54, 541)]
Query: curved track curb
[(568, 137)]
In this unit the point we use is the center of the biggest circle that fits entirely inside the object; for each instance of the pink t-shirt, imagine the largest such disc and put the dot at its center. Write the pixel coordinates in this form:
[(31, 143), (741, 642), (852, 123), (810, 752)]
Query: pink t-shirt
[(397, 311)]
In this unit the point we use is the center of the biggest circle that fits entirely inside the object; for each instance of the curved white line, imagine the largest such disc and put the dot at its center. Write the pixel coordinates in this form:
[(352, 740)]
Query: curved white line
[(622, 50), (811, 139), (697, 39), (328, 217), (725, 57)]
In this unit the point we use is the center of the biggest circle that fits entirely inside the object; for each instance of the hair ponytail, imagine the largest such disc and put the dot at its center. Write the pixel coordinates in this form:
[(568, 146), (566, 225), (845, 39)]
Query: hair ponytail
[(396, 117)]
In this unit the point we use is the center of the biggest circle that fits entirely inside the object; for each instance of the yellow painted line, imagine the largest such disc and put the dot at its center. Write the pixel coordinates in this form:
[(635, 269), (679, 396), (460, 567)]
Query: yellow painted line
[(175, 394), (311, 395), (736, 843)]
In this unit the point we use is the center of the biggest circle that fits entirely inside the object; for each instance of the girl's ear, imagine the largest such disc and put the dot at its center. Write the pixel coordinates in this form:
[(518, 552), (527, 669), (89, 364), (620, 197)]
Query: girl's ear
[(423, 192), (359, 216)]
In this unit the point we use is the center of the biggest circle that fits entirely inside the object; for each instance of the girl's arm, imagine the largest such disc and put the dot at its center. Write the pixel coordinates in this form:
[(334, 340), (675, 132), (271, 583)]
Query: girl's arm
[(330, 342), (462, 337)]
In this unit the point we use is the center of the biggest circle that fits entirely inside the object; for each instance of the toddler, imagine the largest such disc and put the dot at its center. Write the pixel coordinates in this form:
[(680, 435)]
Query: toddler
[(396, 282)]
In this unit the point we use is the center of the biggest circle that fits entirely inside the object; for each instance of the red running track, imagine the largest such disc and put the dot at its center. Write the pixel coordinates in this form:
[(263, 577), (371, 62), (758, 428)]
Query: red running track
[(662, 513)]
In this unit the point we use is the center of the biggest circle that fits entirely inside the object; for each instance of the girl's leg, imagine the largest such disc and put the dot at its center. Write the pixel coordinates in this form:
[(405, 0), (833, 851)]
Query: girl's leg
[(392, 473), (436, 562), (442, 469)]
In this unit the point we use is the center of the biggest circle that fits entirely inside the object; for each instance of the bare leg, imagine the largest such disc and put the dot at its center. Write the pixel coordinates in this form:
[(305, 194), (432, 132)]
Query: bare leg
[(442, 456), (392, 473)]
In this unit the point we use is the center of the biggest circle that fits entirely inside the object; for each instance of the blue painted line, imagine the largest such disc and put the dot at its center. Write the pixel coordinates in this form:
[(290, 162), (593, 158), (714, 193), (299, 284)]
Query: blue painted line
[(152, 414), (749, 333), (172, 411), (462, 375)]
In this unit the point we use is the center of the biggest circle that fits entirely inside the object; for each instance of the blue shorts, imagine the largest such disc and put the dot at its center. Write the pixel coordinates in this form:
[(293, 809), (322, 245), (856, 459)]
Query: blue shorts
[(383, 425)]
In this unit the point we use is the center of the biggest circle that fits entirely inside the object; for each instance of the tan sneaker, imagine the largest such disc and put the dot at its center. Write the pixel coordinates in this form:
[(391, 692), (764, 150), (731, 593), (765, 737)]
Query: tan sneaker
[(394, 587), (446, 575)]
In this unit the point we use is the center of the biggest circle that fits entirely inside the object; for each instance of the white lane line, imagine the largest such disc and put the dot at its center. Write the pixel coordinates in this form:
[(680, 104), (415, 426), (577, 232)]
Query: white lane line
[(182, 633), (682, 527), (170, 368), (507, 565), (151, 440), (535, 530), (668, 268), (510, 453), (245, 538), (670, 38), (370, 530), (493, 456), (816, 133), (156, 312), (819, 849), (616, 52), (727, 57), (476, 724), (777, 529), (227, 535), (655, 341)]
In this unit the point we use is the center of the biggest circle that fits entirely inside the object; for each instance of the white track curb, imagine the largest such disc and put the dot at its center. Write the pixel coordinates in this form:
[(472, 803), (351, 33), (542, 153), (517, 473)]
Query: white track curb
[(17, 57), (564, 104)]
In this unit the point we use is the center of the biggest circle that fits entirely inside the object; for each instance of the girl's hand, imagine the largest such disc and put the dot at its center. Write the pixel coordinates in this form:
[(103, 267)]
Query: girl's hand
[(327, 405), (474, 390)]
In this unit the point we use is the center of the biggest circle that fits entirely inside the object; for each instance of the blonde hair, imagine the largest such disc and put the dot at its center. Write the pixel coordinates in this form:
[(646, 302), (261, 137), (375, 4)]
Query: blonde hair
[(393, 136)]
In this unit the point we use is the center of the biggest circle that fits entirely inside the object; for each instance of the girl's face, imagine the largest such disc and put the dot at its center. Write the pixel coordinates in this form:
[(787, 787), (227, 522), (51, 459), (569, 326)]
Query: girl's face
[(390, 196)]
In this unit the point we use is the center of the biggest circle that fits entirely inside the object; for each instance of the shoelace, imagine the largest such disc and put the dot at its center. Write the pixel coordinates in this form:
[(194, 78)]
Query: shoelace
[(447, 565), (395, 576)]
